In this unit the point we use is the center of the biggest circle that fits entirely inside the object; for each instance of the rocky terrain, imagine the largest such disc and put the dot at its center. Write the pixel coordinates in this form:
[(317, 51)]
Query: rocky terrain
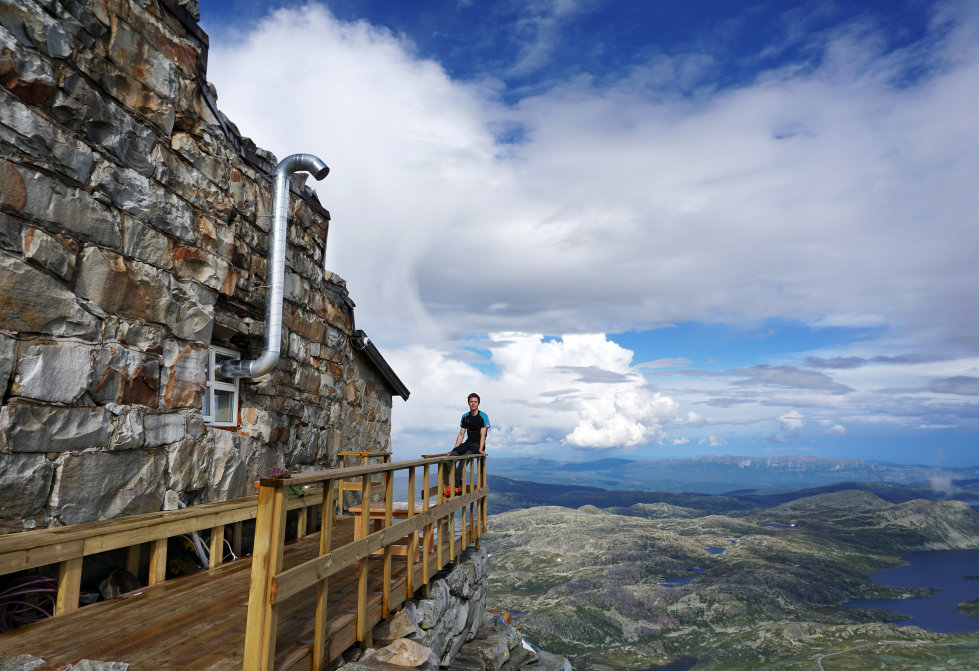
[(673, 585)]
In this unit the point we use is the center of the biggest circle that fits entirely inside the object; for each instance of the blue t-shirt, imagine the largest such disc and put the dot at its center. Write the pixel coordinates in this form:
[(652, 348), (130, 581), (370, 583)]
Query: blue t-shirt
[(473, 424)]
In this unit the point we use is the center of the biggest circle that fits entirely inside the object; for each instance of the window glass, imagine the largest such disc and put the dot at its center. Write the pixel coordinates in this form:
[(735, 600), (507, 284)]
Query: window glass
[(219, 406), (224, 410), (218, 358)]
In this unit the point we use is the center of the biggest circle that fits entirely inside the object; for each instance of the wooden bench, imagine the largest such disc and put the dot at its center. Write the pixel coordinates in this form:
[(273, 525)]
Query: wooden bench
[(357, 458), (376, 513)]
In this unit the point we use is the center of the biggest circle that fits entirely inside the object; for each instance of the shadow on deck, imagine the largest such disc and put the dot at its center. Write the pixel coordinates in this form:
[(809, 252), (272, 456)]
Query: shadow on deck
[(201, 621), (198, 621)]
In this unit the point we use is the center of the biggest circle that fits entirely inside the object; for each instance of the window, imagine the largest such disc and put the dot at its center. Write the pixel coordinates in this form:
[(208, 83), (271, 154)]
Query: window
[(220, 406)]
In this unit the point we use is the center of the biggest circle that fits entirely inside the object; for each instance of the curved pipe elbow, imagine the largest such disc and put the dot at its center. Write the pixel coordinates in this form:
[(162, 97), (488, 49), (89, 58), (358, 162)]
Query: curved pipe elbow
[(302, 162), (276, 266)]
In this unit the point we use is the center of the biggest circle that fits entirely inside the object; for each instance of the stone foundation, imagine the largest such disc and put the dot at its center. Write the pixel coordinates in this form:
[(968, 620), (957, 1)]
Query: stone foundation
[(449, 629)]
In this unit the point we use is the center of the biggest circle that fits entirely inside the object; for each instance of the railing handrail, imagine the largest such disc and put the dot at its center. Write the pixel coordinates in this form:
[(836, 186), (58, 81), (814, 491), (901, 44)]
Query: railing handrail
[(309, 477), (270, 585), (68, 546)]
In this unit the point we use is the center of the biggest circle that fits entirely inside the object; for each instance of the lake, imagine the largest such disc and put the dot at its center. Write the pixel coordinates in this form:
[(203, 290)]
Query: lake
[(944, 569)]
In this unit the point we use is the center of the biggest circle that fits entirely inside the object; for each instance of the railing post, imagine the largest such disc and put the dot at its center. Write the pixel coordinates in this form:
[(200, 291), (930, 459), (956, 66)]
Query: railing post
[(441, 522), (463, 511), (270, 533), (158, 561), (413, 541), (429, 529), (327, 515), (363, 631), (69, 585), (132, 559), (386, 585), (215, 554), (482, 483)]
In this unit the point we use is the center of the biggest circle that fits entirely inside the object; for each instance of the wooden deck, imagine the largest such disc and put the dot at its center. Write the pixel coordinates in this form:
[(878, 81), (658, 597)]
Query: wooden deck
[(198, 621)]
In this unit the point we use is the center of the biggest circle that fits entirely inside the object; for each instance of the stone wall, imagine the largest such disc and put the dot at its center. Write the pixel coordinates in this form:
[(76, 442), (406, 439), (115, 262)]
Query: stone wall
[(133, 234), (449, 628)]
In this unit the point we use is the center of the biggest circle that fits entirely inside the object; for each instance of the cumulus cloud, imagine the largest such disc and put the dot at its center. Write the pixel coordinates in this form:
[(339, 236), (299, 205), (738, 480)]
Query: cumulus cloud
[(534, 397), (615, 189), (838, 192), (791, 426), (836, 430)]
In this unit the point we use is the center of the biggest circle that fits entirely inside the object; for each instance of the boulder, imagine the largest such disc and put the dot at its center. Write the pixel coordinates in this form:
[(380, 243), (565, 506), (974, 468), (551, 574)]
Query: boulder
[(125, 376), (142, 292), (54, 373), (57, 254), (164, 429), (21, 663), (183, 376), (69, 208), (101, 485), (7, 345), (130, 432), (32, 427), (32, 133), (34, 302), (405, 652), (25, 480)]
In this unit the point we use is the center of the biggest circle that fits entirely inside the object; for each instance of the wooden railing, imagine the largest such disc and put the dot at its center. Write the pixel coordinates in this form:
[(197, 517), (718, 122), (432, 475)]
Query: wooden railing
[(435, 524), (68, 546)]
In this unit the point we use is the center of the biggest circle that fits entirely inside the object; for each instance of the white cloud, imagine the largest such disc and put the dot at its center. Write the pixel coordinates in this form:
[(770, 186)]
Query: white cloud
[(836, 430), (797, 196), (838, 195), (580, 391), (791, 427)]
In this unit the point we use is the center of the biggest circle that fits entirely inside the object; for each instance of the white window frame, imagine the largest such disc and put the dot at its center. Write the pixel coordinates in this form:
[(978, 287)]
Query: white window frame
[(222, 385)]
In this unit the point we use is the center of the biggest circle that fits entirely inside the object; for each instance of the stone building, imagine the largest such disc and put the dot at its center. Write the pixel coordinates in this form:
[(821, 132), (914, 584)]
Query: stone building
[(134, 254)]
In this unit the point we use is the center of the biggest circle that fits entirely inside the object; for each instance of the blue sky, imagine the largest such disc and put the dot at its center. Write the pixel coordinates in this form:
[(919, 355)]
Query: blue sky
[(643, 229)]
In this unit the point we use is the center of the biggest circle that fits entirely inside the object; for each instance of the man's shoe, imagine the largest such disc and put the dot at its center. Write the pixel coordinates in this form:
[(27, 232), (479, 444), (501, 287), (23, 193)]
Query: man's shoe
[(458, 491), (447, 492)]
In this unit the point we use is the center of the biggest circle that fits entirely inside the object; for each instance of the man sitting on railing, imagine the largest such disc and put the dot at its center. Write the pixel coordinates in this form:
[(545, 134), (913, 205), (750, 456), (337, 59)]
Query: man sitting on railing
[(471, 439)]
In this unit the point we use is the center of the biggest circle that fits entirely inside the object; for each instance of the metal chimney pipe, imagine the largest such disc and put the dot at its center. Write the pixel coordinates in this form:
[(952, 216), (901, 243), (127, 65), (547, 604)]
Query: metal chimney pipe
[(277, 267)]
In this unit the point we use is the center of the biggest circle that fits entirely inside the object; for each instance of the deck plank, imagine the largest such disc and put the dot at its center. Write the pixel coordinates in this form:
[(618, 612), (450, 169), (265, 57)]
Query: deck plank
[(198, 621)]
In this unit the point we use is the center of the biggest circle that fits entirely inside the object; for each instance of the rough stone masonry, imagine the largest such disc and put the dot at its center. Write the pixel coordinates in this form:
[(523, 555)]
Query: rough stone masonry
[(134, 226)]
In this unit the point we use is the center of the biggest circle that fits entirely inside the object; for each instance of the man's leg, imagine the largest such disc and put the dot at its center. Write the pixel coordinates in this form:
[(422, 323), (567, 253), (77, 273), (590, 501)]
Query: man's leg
[(460, 465), (456, 451)]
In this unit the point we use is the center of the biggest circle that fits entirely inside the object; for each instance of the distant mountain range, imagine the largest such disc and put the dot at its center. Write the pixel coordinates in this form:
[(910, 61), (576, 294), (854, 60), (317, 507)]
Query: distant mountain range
[(510, 494), (731, 474)]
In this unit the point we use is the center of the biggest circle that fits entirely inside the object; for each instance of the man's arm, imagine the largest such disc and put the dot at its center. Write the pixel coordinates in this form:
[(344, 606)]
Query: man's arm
[(482, 440), (461, 437)]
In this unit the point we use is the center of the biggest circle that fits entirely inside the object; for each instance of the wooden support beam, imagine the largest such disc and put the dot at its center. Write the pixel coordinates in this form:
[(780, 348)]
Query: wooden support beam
[(270, 531), (363, 633), (133, 553), (386, 585), (301, 523), (413, 541), (429, 532), (328, 513), (69, 586), (216, 548), (158, 561)]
